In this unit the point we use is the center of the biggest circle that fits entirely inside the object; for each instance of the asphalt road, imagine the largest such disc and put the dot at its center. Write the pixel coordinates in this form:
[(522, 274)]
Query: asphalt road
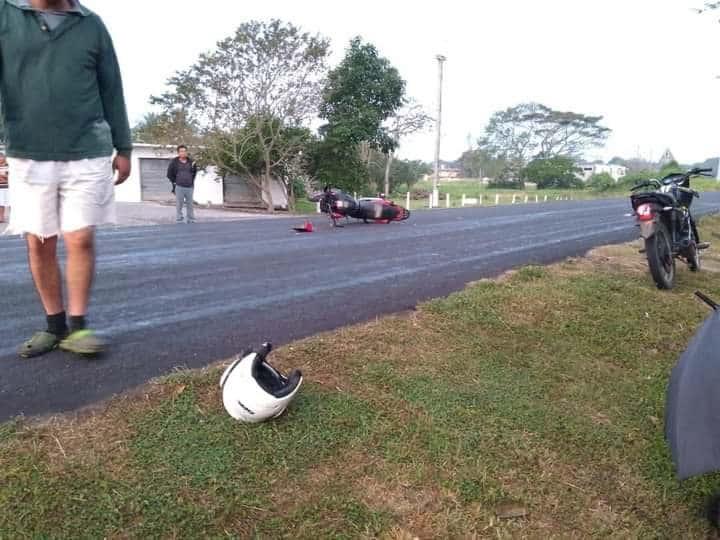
[(187, 295)]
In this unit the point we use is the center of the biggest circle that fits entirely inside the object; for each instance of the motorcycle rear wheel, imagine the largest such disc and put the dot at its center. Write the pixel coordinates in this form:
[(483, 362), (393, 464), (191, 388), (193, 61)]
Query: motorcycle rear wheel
[(660, 258)]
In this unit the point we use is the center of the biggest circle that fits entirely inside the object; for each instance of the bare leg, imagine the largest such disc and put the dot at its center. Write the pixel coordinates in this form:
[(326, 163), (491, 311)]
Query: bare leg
[(46, 272), (2, 214), (80, 269)]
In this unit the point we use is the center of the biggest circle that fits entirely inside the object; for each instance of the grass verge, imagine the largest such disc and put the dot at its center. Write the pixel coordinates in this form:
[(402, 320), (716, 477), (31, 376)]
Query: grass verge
[(528, 406)]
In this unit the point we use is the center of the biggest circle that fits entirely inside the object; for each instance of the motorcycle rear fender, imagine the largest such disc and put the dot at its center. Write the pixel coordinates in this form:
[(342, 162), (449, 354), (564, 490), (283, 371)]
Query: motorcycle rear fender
[(648, 229)]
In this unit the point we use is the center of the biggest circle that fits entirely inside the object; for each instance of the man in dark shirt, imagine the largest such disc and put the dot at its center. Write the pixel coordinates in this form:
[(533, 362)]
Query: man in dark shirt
[(182, 172)]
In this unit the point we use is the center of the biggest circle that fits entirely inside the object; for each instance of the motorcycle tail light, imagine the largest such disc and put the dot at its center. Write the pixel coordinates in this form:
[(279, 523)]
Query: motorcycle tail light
[(644, 212)]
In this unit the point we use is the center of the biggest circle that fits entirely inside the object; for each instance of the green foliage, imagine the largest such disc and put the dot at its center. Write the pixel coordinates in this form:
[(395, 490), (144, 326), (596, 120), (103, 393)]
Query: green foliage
[(241, 152), (509, 178), (402, 172), (333, 163), (553, 173), (250, 97), (635, 178), (407, 173), (601, 182), (479, 162), (533, 131), (167, 128), (359, 95)]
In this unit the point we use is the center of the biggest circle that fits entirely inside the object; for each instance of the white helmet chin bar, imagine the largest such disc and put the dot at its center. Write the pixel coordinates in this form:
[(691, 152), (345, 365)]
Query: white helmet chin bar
[(254, 391)]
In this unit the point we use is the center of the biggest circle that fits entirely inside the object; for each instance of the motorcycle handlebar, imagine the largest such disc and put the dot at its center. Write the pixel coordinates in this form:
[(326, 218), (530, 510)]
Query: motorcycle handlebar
[(691, 191), (647, 183)]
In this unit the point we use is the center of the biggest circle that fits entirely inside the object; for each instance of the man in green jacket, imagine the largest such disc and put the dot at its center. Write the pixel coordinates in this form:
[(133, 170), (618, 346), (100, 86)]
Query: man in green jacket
[(65, 117)]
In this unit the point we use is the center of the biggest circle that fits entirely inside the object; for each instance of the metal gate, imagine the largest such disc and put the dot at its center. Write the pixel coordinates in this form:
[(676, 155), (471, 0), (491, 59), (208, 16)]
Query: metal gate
[(154, 184), (239, 192)]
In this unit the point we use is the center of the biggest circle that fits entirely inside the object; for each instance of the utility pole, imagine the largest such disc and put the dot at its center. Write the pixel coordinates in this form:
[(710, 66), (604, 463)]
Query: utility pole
[(436, 178)]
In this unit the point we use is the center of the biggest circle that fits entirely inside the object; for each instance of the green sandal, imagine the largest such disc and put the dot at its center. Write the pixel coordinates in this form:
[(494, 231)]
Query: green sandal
[(83, 342), (41, 343)]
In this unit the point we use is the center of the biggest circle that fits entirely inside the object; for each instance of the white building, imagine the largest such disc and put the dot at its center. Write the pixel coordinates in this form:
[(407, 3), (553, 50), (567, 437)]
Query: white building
[(148, 182), (590, 169)]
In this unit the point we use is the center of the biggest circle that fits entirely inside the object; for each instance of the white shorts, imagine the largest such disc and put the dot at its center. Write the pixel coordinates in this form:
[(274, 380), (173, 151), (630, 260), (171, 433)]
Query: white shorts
[(50, 197), (4, 197)]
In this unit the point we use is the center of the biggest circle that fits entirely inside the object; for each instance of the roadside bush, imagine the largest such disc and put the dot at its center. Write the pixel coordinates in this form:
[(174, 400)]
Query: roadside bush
[(601, 182)]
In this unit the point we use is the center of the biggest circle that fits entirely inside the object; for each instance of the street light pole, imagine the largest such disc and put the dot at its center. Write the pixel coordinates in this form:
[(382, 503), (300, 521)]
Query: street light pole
[(436, 178)]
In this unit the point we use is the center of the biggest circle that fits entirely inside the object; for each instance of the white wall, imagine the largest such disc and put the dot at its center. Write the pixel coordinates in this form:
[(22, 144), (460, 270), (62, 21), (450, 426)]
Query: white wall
[(280, 200), (208, 187)]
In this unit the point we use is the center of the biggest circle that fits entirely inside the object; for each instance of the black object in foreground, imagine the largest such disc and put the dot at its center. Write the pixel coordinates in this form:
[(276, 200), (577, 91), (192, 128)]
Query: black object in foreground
[(692, 411)]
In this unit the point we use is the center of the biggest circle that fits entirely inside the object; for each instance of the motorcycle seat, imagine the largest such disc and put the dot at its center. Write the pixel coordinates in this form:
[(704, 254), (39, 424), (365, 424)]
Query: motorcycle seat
[(663, 199)]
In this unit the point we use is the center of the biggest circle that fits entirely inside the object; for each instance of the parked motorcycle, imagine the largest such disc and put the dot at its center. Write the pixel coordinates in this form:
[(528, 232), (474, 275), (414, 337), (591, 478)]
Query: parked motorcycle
[(662, 212), (338, 205)]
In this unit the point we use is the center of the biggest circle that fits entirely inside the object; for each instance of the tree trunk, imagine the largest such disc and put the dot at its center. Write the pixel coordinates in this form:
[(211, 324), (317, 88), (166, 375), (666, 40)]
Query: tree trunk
[(388, 164), (268, 184), (290, 193)]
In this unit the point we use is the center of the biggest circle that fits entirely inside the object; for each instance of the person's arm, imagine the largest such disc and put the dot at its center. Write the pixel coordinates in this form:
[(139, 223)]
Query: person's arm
[(113, 100), (172, 171)]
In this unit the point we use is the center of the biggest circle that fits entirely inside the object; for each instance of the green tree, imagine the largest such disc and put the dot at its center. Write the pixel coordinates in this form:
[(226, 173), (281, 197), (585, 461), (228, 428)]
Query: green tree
[(601, 182), (333, 163), (360, 95), (407, 173), (553, 173), (167, 129), (402, 172), (250, 98), (533, 131), (477, 163)]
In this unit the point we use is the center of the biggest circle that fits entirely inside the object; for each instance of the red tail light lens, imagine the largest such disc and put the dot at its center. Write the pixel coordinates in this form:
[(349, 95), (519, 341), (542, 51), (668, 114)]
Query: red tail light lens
[(644, 212)]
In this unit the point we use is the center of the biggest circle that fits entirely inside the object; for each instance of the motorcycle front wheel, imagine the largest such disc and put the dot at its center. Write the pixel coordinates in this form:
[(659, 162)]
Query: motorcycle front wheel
[(660, 258)]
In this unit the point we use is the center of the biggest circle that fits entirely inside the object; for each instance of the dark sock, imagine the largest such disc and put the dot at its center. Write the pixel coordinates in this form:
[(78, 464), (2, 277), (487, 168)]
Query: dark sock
[(57, 324), (77, 323)]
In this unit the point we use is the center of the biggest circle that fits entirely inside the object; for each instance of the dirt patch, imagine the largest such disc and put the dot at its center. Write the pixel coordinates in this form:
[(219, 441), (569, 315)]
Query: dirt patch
[(414, 507)]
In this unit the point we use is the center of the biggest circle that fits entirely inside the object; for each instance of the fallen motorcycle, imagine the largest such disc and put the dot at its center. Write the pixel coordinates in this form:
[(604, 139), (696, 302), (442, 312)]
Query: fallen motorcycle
[(338, 205)]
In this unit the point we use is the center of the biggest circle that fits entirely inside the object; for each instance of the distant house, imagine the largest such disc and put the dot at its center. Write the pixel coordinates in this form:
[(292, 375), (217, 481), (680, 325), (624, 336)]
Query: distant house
[(587, 170), (449, 171)]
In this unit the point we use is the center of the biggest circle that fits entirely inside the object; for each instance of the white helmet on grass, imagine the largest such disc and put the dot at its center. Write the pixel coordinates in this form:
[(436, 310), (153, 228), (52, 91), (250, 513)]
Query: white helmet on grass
[(254, 391)]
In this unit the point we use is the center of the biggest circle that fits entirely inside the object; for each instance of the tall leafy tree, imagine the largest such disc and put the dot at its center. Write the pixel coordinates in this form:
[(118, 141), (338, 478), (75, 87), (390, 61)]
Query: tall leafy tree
[(250, 97), (359, 96), (533, 131)]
